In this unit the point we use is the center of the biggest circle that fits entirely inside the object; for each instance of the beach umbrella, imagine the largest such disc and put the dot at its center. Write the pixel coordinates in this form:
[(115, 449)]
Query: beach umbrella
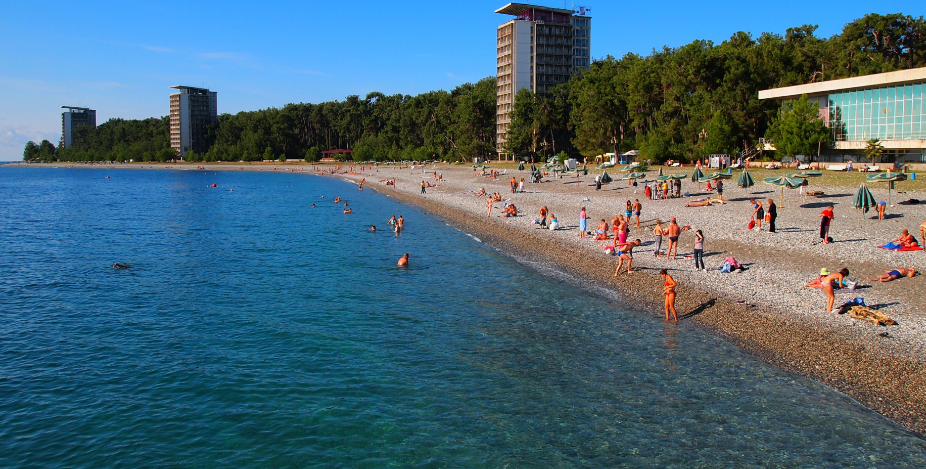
[(605, 178), (629, 167), (635, 176), (714, 176), (664, 178), (521, 166), (533, 168), (605, 165), (696, 176), (889, 178), (864, 199), (782, 182), (678, 176), (745, 180), (806, 174)]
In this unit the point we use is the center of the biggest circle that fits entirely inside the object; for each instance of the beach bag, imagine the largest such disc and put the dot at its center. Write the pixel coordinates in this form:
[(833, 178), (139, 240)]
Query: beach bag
[(752, 224), (768, 217), (851, 284)]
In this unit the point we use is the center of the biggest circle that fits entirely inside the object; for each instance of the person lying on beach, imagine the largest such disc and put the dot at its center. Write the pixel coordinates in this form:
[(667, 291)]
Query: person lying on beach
[(403, 261), (705, 202), (510, 211), (730, 264), (895, 274), (626, 250), (480, 193)]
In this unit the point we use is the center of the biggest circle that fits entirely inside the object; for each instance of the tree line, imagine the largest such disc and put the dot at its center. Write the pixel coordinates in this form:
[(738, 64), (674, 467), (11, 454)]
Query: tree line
[(676, 103)]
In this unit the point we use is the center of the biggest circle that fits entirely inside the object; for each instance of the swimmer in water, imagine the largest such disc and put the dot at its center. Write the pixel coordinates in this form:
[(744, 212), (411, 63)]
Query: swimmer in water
[(348, 210), (118, 265), (373, 228), (403, 261), (313, 205)]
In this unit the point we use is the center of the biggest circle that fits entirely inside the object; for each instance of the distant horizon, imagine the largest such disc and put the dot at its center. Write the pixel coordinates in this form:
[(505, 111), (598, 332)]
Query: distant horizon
[(120, 62)]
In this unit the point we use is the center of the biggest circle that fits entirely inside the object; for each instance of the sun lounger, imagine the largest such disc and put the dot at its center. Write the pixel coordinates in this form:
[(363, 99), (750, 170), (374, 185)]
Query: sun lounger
[(837, 167)]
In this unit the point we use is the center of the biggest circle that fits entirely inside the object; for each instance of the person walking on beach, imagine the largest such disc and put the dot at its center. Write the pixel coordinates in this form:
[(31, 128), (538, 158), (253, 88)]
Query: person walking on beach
[(598, 182), (720, 189), (489, 202), (699, 250), (521, 186), (423, 186), (673, 231), (637, 207), (669, 292), (514, 185), (826, 216), (657, 237), (543, 216), (583, 224), (771, 215), (626, 250)]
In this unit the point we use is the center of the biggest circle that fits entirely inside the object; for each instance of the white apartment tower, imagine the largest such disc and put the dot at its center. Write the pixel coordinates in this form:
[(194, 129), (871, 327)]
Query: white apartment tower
[(539, 49), (191, 110)]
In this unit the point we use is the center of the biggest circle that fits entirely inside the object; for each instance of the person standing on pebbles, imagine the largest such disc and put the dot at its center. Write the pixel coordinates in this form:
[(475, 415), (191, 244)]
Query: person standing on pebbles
[(669, 292), (771, 215), (583, 223), (673, 231), (826, 216)]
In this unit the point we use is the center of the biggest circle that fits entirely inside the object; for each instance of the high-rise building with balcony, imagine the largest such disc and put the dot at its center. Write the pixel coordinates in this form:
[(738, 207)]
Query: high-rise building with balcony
[(539, 49), (191, 110), (73, 117)]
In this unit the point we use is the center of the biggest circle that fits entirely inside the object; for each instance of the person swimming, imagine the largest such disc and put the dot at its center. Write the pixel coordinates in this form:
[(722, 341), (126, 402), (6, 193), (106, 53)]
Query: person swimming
[(373, 228), (119, 265), (403, 261)]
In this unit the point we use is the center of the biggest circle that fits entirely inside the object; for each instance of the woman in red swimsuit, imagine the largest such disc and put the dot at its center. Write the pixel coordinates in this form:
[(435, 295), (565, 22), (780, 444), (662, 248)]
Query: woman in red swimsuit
[(669, 292)]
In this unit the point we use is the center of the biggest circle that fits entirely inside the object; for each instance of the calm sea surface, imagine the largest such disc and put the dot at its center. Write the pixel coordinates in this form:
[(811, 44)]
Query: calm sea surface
[(253, 330)]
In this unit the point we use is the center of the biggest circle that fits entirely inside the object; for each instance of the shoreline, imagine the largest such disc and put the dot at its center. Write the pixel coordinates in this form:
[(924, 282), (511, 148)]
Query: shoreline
[(885, 373)]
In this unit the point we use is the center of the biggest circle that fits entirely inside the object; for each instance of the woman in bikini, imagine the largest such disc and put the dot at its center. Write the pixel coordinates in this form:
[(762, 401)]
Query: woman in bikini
[(628, 211), (828, 282), (669, 292)]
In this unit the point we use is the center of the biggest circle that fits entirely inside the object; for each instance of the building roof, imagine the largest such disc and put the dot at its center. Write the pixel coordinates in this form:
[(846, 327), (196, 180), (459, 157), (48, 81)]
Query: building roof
[(73, 108), (181, 87), (847, 84), (516, 9)]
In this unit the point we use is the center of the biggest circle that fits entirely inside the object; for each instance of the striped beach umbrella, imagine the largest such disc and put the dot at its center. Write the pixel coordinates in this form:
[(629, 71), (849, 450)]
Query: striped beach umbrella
[(745, 180), (864, 199)]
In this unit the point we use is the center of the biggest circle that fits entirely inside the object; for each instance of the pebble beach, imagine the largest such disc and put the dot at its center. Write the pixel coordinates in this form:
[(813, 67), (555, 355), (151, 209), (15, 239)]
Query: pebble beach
[(765, 309)]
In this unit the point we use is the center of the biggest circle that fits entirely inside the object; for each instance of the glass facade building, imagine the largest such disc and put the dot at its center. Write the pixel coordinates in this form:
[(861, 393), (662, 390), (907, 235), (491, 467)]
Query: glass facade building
[(886, 113)]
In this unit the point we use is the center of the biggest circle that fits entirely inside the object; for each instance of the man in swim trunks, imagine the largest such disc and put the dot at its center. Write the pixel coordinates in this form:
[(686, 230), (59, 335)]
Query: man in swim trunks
[(403, 261), (673, 231), (894, 274), (626, 255), (637, 207)]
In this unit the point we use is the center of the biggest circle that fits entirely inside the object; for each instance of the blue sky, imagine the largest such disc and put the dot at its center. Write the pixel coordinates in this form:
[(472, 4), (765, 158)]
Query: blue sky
[(121, 57)]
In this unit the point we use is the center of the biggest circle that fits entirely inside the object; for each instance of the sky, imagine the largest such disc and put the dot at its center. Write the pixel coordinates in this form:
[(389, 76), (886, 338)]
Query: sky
[(121, 57)]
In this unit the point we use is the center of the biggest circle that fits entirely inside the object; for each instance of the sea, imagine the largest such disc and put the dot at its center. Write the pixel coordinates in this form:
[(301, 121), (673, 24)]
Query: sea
[(260, 326)]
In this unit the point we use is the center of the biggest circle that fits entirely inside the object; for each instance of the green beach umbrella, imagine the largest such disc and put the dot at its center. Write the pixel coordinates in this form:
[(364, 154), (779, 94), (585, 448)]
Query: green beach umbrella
[(782, 182), (696, 176), (714, 176), (605, 165), (864, 199), (533, 168), (521, 166), (605, 177), (889, 178), (745, 180), (629, 167), (678, 176), (806, 174), (664, 178), (635, 176)]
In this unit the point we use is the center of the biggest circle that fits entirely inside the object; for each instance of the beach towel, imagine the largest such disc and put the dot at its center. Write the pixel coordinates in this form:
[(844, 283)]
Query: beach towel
[(871, 315), (894, 247)]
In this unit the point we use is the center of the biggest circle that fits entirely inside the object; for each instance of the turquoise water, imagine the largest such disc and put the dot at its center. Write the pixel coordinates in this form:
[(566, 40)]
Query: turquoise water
[(253, 330)]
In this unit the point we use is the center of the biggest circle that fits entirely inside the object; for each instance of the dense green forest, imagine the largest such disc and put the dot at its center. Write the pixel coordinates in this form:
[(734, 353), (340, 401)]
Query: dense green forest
[(676, 103)]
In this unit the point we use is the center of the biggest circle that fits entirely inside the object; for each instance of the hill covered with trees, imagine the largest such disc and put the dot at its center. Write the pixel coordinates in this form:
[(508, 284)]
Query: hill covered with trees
[(678, 103)]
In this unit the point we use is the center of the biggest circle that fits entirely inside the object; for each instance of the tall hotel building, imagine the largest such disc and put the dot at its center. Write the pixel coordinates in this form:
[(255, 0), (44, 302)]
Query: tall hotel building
[(538, 49), (73, 117), (191, 110)]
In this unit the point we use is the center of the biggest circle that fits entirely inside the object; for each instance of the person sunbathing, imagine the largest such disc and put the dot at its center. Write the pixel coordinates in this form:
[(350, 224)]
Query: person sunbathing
[(906, 240), (895, 274), (510, 211), (498, 197), (601, 233), (481, 193), (705, 202)]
